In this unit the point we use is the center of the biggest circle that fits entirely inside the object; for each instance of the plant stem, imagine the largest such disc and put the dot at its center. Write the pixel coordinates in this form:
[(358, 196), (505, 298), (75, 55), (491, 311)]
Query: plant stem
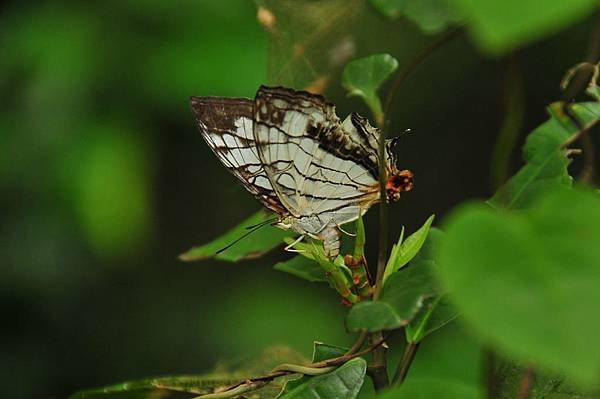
[(378, 368), (587, 173), (415, 62), (358, 344), (489, 374), (407, 358), (526, 384), (514, 111)]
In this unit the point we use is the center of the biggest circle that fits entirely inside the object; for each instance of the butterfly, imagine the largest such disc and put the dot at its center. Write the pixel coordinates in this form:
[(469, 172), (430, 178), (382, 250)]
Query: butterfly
[(292, 152)]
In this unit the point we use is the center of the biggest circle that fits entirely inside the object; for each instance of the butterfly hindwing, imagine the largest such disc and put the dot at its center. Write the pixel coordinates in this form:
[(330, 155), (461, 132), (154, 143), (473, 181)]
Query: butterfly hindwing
[(226, 125)]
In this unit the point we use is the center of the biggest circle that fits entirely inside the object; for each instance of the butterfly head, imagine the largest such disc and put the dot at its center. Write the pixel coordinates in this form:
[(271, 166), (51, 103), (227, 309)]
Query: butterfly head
[(397, 183)]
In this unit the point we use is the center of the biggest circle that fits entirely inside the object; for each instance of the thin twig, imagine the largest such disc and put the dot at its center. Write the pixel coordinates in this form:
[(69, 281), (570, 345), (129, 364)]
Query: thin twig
[(526, 384), (577, 84), (490, 377), (514, 112), (358, 344), (414, 63), (407, 358), (587, 172), (236, 392), (318, 368)]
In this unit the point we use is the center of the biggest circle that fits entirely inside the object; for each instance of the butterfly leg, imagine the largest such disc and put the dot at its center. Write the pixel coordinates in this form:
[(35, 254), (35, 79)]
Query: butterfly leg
[(290, 248), (344, 231)]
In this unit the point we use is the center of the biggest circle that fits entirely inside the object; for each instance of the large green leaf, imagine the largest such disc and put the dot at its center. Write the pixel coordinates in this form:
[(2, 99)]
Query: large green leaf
[(437, 311), (256, 244), (431, 16), (433, 388), (547, 162), (435, 314), (498, 26), (188, 386), (364, 76), (342, 383), (404, 251), (528, 281)]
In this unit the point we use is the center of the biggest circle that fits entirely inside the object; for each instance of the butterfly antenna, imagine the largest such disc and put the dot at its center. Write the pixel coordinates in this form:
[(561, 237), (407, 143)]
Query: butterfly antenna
[(261, 223), (253, 229)]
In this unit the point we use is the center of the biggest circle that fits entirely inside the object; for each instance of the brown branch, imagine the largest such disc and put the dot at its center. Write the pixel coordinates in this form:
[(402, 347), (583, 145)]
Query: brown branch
[(407, 358), (587, 173), (358, 344), (526, 384), (283, 370)]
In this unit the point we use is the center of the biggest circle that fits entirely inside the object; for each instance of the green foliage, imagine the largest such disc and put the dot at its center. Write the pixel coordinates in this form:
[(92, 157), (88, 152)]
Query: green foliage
[(528, 280), (545, 156), (303, 267), (165, 387), (364, 76), (404, 251), (334, 271), (402, 297), (435, 314), (322, 351), (507, 376), (342, 383), (107, 177), (499, 26), (256, 244), (432, 16), (437, 311)]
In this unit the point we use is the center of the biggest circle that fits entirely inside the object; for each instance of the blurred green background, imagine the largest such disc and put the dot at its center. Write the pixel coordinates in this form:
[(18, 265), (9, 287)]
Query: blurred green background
[(104, 179)]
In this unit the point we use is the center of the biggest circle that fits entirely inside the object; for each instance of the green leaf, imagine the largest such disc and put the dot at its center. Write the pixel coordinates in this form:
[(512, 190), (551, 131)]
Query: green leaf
[(547, 162), (303, 267), (164, 387), (434, 315), (528, 281), (336, 272), (432, 388), (401, 298), (373, 316), (432, 16), (437, 311), (177, 386), (403, 252), (322, 351), (364, 76), (342, 383), (360, 240), (255, 245), (498, 26)]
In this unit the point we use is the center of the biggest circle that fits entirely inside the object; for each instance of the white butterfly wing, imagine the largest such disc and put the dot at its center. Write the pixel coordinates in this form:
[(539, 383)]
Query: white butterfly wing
[(323, 171), (226, 124)]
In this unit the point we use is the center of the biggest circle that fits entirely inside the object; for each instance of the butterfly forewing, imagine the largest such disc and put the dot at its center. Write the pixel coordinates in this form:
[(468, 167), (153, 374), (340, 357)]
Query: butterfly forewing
[(318, 166), (227, 127)]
